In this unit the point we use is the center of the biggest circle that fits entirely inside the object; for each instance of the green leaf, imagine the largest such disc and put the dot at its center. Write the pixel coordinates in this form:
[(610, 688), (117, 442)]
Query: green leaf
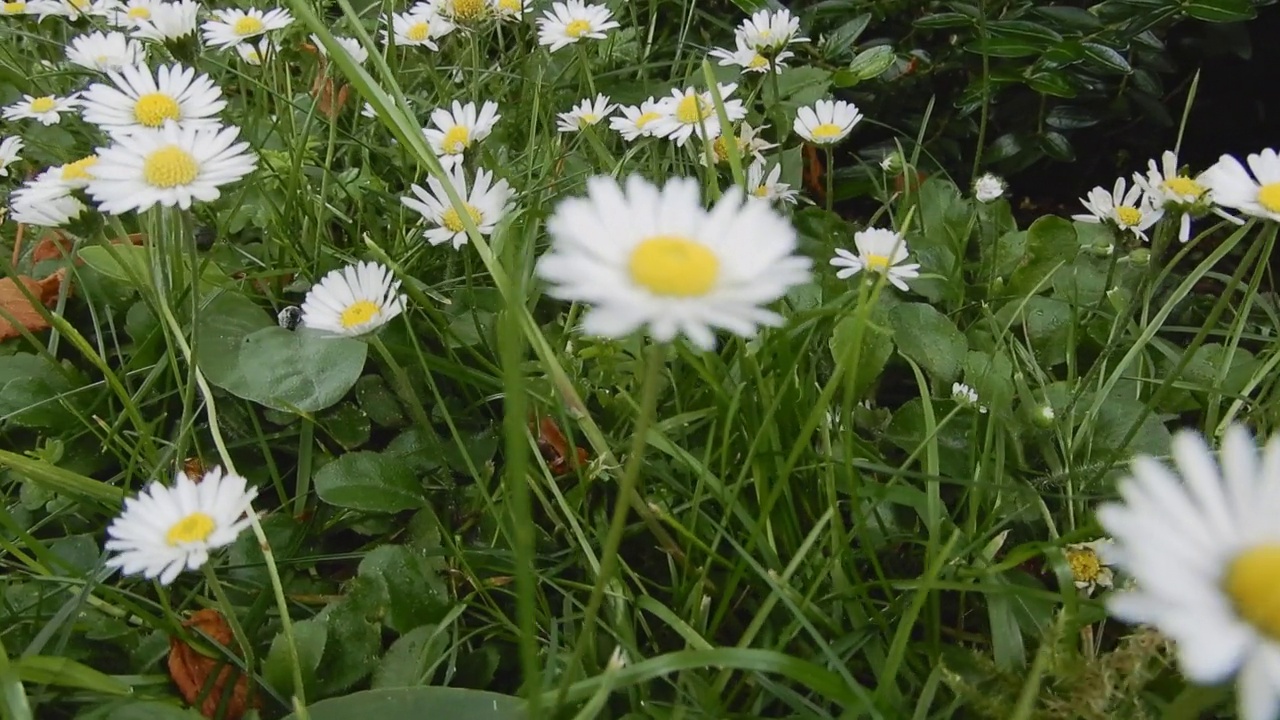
[(990, 374), (35, 393), (1219, 10), (128, 266), (943, 21), (876, 347), (1118, 416), (347, 424), (1073, 17), (310, 636), (370, 482), (930, 339), (410, 657), (379, 403), (419, 702), (1055, 145), (45, 670), (354, 636), (868, 64), (415, 593), (152, 710), (1106, 58)]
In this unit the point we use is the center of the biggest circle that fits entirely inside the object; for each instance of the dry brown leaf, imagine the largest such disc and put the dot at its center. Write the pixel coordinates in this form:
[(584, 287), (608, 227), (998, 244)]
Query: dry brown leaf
[(55, 244), (17, 305), (190, 670)]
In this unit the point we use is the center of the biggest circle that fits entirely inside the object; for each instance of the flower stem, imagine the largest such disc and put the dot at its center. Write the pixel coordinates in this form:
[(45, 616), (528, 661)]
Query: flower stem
[(400, 379)]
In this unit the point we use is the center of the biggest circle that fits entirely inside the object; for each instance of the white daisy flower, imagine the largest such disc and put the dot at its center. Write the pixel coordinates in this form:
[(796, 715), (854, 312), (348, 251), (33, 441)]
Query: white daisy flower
[(827, 122), (9, 149), (586, 113), (137, 100), (169, 21), (354, 300), (768, 187), (455, 131), (461, 12), (234, 26), (45, 110), (636, 121), (1090, 565), (1201, 547), (73, 9), (18, 7), (105, 51), (44, 202), (648, 257), (988, 188), (171, 166), (352, 47), (419, 29), (768, 32), (750, 59), (1131, 211), (255, 53), (487, 203), (508, 10), (129, 14), (688, 112), (1175, 191), (1234, 187), (879, 250), (165, 530), (73, 175), (966, 396), (568, 22), (750, 144)]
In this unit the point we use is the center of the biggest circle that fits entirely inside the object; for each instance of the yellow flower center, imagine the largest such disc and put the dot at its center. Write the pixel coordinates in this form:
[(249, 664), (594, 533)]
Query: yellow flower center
[(43, 104), (196, 527), (879, 263), (586, 119), (511, 6), (418, 31), (761, 192), (1251, 584), (692, 110), (248, 25), (757, 62), (79, 170), (1128, 216), (13, 8), (139, 13), (456, 139), (827, 131), (468, 9), (1184, 186), (1269, 196), (577, 28), (646, 118), (169, 167), (358, 313), (80, 4), (453, 222), (674, 266), (153, 109), (1085, 564)]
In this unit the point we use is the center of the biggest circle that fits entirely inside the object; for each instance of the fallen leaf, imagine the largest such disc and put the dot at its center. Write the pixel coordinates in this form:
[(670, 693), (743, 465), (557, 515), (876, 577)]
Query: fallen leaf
[(555, 447), (17, 305), (191, 670), (329, 101)]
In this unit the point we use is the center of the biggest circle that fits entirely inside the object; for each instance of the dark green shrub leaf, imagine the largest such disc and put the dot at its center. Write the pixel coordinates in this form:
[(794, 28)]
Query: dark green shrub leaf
[(1106, 58), (1219, 10)]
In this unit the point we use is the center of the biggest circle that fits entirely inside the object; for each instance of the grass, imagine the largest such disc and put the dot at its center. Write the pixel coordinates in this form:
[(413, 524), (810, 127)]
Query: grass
[(800, 524)]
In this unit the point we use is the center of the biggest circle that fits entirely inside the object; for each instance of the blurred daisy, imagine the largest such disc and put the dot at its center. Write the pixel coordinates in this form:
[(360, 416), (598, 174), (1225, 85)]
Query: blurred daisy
[(9, 149), (767, 187), (988, 188), (455, 131), (169, 21), (584, 114), (165, 530), (1256, 194), (569, 21), (644, 257), (1174, 191), (827, 122), (73, 9), (486, 204), (966, 396), (1089, 564), (132, 12), (460, 11), (750, 144), (769, 32), (636, 120), (1200, 543), (105, 51), (419, 29), (508, 10), (1131, 211), (688, 112), (74, 175), (137, 100), (19, 7), (880, 251), (350, 45), (255, 53), (354, 300), (44, 202), (750, 59), (234, 26), (46, 110), (171, 166)]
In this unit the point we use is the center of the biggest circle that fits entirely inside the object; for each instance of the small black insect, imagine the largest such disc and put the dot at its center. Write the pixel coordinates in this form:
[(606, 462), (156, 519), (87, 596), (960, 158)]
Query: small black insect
[(290, 317), (205, 237)]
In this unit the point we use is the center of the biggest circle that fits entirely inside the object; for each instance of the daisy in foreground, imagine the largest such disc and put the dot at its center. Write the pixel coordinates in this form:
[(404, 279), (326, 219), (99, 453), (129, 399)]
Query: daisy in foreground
[(165, 530), (353, 301), (45, 110), (584, 114), (234, 26), (827, 122), (1203, 547), (455, 131), (568, 22), (1233, 186), (171, 166), (879, 250), (486, 204), (1133, 211), (137, 100), (641, 256)]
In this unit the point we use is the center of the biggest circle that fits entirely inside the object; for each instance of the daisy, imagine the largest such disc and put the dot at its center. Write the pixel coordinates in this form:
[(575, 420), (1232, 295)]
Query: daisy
[(750, 144), (1234, 187), (353, 301), (1201, 546), (767, 187), (585, 114), (419, 29), (19, 7), (827, 122), (507, 10), (255, 53), (73, 175), (165, 530), (1133, 211), (129, 14), (769, 32), (486, 204), (46, 110), (234, 26), (636, 121), (988, 188), (966, 396), (352, 47), (105, 51), (750, 59), (169, 21), (1175, 191), (44, 202), (688, 112), (1090, 568), (879, 250), (568, 22), (73, 9), (171, 166), (9, 149), (460, 12), (137, 100), (645, 257), (456, 131)]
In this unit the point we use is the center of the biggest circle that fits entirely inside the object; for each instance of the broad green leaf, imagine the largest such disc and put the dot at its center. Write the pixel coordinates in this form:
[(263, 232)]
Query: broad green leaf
[(1219, 10), (868, 64), (419, 702), (943, 21), (415, 593), (990, 374), (1106, 58), (152, 710), (876, 347), (310, 636), (410, 657), (354, 635), (371, 482), (929, 338), (35, 393), (1117, 417)]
